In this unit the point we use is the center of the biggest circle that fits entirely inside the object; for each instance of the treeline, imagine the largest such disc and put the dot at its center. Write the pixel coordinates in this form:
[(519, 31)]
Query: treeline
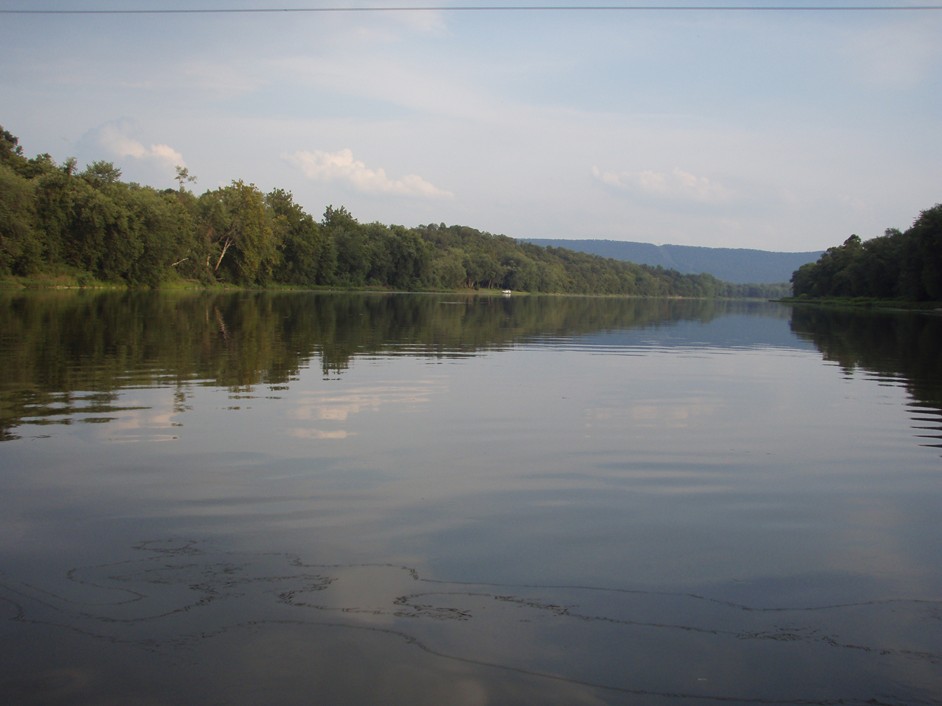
[(897, 265), (55, 218)]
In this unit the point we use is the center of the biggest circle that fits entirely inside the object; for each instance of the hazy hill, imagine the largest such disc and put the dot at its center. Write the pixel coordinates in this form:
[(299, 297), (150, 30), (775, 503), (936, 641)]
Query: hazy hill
[(737, 265)]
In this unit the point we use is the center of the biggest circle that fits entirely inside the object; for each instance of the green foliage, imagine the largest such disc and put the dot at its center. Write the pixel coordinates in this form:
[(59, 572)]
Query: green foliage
[(183, 177), (55, 218), (20, 246), (238, 238), (99, 174), (306, 256), (905, 266), (11, 153)]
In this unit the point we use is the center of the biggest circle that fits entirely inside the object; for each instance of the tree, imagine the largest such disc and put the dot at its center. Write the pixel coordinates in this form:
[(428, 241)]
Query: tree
[(20, 246), (352, 248), (446, 268), (408, 259), (160, 222), (183, 177), (11, 152), (924, 239), (896, 265), (306, 256), (238, 237), (101, 174), (52, 216)]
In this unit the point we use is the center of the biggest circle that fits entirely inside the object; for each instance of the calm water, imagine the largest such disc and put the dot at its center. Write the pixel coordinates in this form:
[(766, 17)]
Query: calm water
[(333, 499)]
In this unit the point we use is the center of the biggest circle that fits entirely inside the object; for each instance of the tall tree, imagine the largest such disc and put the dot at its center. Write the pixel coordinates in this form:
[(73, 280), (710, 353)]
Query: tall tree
[(20, 245), (896, 265), (925, 240), (354, 256), (239, 241), (306, 256)]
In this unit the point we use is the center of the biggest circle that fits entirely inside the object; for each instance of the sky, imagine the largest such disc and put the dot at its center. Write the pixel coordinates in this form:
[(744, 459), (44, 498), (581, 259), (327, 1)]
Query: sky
[(766, 129)]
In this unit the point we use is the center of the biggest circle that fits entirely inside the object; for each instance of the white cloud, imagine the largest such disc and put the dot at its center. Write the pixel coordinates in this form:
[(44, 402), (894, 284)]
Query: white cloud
[(676, 185), (341, 166), (166, 153), (321, 408), (317, 434), (114, 138)]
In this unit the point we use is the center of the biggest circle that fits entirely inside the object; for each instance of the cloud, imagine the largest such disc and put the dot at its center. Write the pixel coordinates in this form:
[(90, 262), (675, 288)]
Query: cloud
[(676, 185), (320, 408), (114, 139), (340, 166), (317, 434)]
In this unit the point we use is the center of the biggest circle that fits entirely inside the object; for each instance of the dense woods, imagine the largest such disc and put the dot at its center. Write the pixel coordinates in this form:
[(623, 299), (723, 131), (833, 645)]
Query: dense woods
[(57, 219), (897, 265)]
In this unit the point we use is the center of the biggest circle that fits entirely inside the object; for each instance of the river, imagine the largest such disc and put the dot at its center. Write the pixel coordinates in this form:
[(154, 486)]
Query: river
[(437, 499)]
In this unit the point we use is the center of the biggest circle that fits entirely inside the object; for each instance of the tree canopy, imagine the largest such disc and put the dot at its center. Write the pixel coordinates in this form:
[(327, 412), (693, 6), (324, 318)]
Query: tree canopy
[(56, 218), (897, 265)]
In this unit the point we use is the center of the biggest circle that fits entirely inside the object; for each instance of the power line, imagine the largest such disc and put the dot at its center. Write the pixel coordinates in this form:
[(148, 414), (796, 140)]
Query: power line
[(491, 8)]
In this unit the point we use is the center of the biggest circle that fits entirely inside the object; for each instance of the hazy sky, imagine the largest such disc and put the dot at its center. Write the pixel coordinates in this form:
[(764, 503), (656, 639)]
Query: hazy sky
[(760, 129)]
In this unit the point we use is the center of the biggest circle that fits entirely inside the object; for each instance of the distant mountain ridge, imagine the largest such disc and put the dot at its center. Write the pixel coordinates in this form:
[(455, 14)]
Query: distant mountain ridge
[(736, 265)]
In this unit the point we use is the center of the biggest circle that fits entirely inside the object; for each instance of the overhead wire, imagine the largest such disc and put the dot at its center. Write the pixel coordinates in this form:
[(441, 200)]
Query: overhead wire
[(479, 8)]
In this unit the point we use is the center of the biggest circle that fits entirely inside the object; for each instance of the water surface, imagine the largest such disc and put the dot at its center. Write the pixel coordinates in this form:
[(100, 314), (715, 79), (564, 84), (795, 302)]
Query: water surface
[(416, 499)]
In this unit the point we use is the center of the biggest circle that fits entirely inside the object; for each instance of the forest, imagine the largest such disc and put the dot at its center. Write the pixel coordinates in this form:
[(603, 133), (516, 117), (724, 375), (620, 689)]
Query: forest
[(59, 221), (903, 266)]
